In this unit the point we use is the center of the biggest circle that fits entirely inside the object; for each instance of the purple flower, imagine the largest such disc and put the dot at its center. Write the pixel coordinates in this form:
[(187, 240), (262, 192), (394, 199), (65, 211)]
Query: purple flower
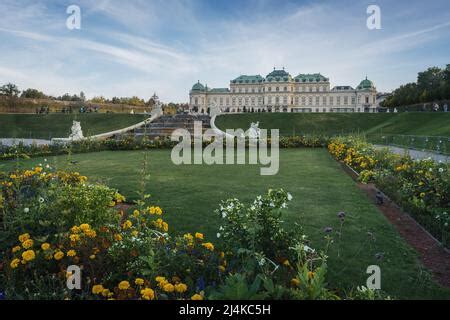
[(328, 230), (341, 215), (379, 255)]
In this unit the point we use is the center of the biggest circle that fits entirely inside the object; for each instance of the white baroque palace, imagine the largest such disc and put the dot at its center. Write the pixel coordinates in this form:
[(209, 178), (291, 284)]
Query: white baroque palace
[(280, 92)]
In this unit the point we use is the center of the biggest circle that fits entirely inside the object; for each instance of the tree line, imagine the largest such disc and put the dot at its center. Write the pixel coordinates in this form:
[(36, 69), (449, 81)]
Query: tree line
[(11, 90), (432, 85)]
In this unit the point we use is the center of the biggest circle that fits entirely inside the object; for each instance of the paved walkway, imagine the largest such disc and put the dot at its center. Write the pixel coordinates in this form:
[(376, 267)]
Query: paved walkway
[(416, 154), (26, 142)]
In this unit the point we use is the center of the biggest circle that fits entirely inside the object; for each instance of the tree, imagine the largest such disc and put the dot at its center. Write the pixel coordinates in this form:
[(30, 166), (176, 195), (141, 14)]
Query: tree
[(9, 90), (33, 94)]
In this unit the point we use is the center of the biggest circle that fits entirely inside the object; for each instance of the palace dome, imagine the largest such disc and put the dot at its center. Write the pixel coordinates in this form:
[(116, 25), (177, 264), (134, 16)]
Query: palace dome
[(198, 87), (366, 84)]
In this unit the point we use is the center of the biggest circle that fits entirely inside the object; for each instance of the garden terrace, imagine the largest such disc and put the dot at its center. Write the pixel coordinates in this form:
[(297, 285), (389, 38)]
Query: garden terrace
[(320, 189)]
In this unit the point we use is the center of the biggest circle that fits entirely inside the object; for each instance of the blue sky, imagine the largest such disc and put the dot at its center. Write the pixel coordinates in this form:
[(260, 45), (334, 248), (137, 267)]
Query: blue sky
[(127, 48)]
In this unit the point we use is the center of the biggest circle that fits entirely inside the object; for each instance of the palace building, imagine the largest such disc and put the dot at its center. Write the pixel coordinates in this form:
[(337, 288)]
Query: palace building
[(280, 92)]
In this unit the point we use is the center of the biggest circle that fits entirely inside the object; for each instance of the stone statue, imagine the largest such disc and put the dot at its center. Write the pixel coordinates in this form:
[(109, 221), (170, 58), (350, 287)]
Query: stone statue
[(213, 109), (157, 109), (77, 133), (254, 131)]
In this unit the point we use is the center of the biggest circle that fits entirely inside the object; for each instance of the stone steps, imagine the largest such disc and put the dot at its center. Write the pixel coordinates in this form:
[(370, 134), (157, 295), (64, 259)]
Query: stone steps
[(164, 126)]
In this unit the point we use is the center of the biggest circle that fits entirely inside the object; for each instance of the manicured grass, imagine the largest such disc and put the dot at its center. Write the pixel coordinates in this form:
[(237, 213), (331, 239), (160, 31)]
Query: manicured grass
[(58, 125), (189, 194), (413, 123)]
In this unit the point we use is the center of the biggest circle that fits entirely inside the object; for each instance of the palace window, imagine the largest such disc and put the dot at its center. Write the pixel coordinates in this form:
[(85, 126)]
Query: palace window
[(317, 100), (331, 100), (277, 100), (310, 100), (353, 100), (338, 101), (303, 101), (277, 89), (269, 89), (285, 89), (285, 100), (345, 100)]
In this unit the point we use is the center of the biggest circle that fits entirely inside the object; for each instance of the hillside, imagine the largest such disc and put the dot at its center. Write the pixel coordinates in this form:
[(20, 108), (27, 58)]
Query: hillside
[(412, 123), (58, 125)]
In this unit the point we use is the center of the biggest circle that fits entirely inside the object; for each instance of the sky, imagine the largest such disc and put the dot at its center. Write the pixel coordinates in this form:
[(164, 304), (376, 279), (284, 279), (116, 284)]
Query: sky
[(139, 47)]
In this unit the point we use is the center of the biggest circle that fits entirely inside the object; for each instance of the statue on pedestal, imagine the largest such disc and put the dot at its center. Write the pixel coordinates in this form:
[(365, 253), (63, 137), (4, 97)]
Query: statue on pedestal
[(77, 133)]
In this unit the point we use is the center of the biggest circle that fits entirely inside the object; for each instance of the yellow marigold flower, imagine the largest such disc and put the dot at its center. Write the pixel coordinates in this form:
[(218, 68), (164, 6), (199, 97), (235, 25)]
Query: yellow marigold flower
[(135, 233), (124, 285), (74, 237), (197, 297), (158, 211), (148, 294), (24, 237), (422, 194), (91, 233), (286, 263), (136, 213), (85, 227), (13, 176), (118, 237), (97, 289), (160, 279), (92, 256), (311, 275), (28, 255), (15, 249), (15, 263), (45, 246), (127, 224), (27, 244), (188, 237), (165, 226), (180, 287), (209, 246), (58, 255), (71, 253), (221, 268), (112, 203), (75, 229), (168, 287), (199, 235), (38, 169), (295, 282), (139, 281), (221, 254), (106, 293)]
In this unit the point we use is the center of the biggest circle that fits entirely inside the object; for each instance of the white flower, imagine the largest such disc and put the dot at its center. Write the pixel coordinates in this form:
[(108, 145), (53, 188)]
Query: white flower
[(289, 196), (224, 215), (441, 170), (221, 228), (218, 235), (26, 210), (308, 249), (41, 200)]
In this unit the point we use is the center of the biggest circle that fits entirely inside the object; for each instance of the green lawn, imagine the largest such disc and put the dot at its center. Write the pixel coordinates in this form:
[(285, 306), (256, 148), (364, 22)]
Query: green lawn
[(58, 125), (411, 123), (190, 193)]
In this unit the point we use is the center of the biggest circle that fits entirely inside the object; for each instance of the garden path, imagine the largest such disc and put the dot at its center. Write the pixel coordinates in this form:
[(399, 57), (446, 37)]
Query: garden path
[(416, 154)]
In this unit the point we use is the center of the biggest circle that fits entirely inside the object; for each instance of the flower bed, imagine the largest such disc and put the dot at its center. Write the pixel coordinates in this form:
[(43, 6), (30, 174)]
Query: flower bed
[(53, 220), (21, 151), (421, 187)]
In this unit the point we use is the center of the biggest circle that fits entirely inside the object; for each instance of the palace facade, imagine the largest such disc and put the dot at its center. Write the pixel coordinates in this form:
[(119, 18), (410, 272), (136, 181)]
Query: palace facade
[(280, 92)]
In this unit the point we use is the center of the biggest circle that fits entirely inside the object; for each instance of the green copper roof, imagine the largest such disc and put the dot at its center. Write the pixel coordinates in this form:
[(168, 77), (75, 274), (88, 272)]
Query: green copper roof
[(248, 79), (366, 84), (310, 77), (198, 87), (278, 75)]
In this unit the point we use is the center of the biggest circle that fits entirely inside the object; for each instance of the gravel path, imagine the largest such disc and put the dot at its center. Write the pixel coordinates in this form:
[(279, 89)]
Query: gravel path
[(416, 154)]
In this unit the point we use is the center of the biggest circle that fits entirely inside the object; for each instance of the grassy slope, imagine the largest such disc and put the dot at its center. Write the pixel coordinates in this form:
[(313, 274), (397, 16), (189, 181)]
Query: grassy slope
[(337, 123), (58, 125), (190, 193)]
